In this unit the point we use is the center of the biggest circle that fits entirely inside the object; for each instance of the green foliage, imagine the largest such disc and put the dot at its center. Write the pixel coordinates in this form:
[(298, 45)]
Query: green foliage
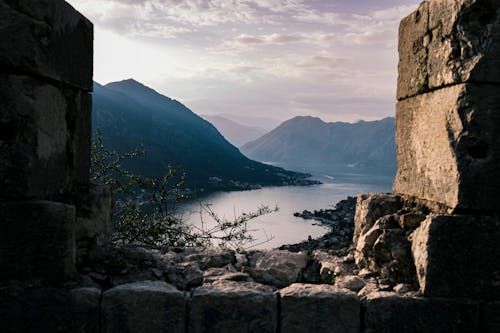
[(145, 209)]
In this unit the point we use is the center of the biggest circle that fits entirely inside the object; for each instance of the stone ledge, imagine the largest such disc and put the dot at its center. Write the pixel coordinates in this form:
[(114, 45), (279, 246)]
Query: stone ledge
[(146, 307), (229, 306), (318, 308)]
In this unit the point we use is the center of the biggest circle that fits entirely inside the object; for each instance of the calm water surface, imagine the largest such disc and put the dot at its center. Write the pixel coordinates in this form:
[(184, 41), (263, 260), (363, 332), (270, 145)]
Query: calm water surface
[(281, 225)]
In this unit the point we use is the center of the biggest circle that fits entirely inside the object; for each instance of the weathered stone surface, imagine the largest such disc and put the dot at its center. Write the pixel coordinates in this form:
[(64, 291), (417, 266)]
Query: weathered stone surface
[(318, 308), (390, 312), (37, 240), (448, 42), (490, 317), (276, 268), (185, 275), (94, 213), (147, 306), (350, 282), (413, 53), (385, 249), (370, 207), (448, 147), (458, 256), (49, 310), (228, 306), (44, 139), (212, 257), (46, 38)]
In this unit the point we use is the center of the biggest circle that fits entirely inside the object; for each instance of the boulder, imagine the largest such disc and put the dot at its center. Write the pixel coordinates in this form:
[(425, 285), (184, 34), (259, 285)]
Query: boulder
[(37, 240), (212, 257), (350, 282), (185, 275), (391, 312), (318, 308), (458, 256), (147, 306), (276, 268), (446, 42), (49, 310), (229, 306), (44, 139), (446, 146), (370, 207), (47, 38)]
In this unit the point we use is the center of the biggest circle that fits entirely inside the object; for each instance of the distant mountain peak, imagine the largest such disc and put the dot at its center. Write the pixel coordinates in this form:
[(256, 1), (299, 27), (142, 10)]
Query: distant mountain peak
[(136, 88)]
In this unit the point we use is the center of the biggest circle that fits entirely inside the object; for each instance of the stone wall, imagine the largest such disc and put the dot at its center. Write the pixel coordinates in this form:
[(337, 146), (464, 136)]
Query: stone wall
[(45, 102), (427, 256), (439, 231)]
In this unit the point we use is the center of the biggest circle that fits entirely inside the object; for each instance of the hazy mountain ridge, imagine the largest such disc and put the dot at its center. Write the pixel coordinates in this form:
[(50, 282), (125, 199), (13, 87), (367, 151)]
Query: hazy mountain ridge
[(128, 113), (308, 143), (234, 132)]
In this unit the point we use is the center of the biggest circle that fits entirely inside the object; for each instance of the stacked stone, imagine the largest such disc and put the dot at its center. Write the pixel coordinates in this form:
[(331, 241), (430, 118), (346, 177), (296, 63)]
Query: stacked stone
[(45, 122), (440, 228), (447, 125)]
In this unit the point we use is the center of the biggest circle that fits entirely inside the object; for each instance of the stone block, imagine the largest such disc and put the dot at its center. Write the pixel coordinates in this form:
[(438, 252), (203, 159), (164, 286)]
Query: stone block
[(490, 317), (147, 306), (46, 38), (44, 138), (37, 241), (446, 42), (412, 47), (458, 256), (318, 308), (229, 306), (276, 268), (448, 149), (94, 213), (370, 207), (49, 310), (390, 312)]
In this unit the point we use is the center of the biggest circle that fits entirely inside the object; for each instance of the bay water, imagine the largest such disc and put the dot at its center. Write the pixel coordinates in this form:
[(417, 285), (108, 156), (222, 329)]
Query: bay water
[(281, 227)]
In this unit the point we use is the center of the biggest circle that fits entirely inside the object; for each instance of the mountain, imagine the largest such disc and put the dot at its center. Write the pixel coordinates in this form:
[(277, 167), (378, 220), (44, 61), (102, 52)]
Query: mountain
[(128, 113), (254, 121), (310, 144), (235, 133)]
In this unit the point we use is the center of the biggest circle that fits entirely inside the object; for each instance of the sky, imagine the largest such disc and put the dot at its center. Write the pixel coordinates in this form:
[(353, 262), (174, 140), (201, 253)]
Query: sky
[(333, 59)]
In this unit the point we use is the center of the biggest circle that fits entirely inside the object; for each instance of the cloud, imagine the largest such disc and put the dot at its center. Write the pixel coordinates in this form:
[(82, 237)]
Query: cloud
[(279, 57)]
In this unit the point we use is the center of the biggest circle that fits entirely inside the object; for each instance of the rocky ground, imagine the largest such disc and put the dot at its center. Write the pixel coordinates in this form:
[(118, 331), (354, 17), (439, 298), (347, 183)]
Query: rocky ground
[(327, 260)]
